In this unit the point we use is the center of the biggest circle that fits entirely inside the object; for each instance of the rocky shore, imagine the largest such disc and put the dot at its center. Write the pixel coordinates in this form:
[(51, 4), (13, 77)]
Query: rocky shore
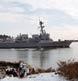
[(68, 69), (4, 64)]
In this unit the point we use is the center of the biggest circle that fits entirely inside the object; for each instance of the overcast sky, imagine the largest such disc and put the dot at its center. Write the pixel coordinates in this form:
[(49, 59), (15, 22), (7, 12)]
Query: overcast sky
[(22, 16)]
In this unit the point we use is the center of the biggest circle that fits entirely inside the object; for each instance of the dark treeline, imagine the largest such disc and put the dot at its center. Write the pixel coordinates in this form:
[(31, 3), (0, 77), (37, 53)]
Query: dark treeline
[(4, 36)]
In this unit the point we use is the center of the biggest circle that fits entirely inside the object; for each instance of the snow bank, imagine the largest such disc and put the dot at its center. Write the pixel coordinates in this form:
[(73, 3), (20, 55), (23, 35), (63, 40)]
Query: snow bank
[(37, 77)]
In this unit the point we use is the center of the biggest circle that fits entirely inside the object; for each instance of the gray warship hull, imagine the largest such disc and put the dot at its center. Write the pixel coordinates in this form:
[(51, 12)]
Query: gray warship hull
[(55, 44)]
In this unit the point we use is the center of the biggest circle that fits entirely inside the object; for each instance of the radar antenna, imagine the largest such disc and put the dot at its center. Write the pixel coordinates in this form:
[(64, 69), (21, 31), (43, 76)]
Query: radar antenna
[(41, 27)]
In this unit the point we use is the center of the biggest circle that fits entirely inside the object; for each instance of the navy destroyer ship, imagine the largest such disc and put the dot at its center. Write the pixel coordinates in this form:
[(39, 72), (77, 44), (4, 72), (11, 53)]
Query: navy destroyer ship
[(41, 40)]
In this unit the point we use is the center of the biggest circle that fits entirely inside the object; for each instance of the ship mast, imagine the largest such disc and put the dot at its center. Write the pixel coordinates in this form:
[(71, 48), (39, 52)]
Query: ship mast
[(42, 31)]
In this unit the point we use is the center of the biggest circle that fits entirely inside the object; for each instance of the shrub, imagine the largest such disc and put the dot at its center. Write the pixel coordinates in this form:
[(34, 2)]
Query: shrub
[(68, 69)]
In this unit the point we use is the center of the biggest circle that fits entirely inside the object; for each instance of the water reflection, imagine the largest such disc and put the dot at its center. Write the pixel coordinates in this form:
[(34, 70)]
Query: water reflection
[(44, 58), (40, 58), (22, 55), (36, 58)]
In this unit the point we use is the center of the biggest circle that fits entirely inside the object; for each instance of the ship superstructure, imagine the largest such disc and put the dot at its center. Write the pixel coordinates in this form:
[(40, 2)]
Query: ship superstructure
[(41, 40)]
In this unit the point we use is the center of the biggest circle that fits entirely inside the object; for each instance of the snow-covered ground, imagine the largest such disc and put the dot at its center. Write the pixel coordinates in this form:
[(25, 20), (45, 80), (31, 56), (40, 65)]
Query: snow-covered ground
[(37, 77)]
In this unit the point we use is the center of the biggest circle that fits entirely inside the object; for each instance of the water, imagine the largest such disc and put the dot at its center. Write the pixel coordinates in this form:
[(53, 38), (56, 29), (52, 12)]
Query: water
[(40, 58)]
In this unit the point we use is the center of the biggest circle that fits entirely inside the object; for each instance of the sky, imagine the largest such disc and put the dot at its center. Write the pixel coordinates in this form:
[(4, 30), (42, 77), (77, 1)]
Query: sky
[(60, 17)]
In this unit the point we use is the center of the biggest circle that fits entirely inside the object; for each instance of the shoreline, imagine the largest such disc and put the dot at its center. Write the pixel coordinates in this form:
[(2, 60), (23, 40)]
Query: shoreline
[(4, 64), (68, 70)]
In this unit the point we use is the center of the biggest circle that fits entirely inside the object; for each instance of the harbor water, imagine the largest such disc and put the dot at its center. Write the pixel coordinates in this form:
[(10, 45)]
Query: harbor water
[(43, 58)]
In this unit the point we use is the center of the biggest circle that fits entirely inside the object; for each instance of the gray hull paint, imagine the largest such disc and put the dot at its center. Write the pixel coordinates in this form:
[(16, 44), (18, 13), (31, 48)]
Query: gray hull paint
[(56, 44)]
